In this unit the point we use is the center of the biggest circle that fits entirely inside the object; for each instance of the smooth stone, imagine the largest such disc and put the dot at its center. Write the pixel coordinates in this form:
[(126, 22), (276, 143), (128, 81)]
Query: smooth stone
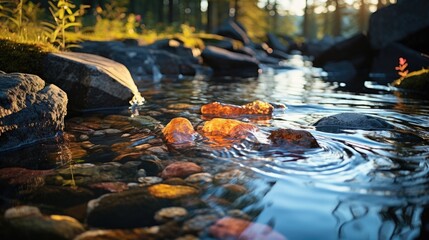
[(288, 138), (199, 223), (170, 213), (200, 178), (149, 180), (180, 169), (22, 211), (231, 176), (356, 121), (234, 228)]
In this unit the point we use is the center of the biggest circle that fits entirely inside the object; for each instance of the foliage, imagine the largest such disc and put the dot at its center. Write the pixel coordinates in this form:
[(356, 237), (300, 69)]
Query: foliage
[(402, 68), (22, 57), (417, 80), (65, 18), (253, 19), (18, 20)]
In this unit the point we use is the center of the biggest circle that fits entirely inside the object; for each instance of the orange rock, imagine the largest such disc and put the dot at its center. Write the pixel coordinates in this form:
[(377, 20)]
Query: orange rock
[(234, 228), (171, 191), (253, 108), (179, 131), (294, 138), (228, 128)]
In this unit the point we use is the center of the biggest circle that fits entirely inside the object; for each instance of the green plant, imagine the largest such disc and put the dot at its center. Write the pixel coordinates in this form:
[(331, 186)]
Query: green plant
[(65, 17), (402, 68), (12, 12)]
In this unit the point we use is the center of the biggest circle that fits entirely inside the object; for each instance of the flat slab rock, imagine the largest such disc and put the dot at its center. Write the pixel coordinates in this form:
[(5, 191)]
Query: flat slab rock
[(90, 81), (338, 122)]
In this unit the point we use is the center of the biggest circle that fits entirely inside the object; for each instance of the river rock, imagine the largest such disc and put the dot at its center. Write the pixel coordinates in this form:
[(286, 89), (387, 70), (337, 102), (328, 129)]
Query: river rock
[(339, 122), (199, 223), (293, 138), (200, 178), (37, 226), (170, 213), (93, 81), (230, 64), (226, 110), (397, 21), (136, 207), (30, 111), (181, 170), (228, 128), (234, 228), (179, 131)]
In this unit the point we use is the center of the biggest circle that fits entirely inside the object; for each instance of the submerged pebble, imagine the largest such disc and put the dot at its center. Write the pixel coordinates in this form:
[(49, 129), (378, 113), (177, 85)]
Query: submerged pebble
[(170, 213)]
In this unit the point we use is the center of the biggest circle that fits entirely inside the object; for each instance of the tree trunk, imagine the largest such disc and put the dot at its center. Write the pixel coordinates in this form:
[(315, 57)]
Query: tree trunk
[(170, 11), (336, 31), (305, 22)]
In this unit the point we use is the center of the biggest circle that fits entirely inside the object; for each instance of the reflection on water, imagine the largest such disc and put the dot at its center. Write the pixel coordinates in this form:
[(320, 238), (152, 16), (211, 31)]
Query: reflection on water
[(358, 185)]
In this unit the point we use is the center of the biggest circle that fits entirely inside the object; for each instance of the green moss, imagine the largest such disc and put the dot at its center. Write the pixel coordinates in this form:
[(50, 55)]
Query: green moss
[(22, 57), (418, 80)]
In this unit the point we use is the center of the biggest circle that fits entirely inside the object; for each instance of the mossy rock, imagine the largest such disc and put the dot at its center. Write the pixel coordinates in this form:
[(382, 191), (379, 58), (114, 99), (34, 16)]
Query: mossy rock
[(418, 81), (22, 57)]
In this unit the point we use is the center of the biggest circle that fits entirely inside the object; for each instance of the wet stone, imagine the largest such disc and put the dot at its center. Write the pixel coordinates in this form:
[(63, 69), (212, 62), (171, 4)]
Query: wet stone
[(231, 192), (293, 138), (179, 131), (199, 223), (219, 129), (145, 181), (200, 178), (83, 137), (170, 213), (339, 122), (224, 110), (22, 211), (180, 169), (157, 149), (232, 176), (112, 131), (110, 186), (171, 191), (234, 228), (37, 226)]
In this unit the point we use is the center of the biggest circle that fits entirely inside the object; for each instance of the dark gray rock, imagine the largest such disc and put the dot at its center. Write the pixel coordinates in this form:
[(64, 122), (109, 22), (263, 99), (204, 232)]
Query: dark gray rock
[(275, 43), (234, 30), (150, 62), (29, 110), (397, 21), (132, 208), (91, 81), (230, 64), (339, 122)]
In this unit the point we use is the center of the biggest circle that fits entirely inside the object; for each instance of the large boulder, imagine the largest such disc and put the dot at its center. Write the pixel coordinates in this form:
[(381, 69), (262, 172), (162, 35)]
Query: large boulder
[(347, 58), (230, 64), (275, 43), (91, 81), (397, 21), (29, 110), (355, 121), (234, 30), (150, 62)]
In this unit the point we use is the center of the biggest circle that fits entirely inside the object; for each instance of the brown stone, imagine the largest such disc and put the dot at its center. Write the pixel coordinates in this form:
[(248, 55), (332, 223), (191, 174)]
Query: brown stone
[(222, 109), (179, 131), (181, 170), (293, 138)]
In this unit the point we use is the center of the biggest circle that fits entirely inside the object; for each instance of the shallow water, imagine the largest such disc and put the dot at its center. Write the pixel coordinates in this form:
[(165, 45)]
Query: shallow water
[(359, 185)]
